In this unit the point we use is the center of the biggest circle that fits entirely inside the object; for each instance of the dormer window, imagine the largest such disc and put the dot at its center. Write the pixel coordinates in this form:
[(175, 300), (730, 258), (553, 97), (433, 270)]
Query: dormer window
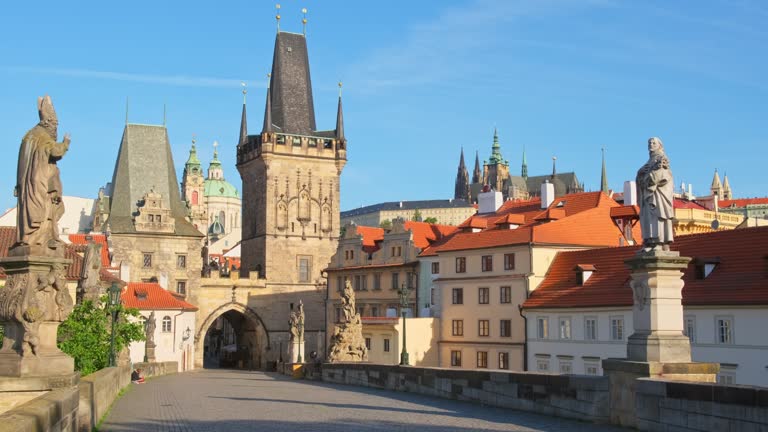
[(705, 266), (584, 272)]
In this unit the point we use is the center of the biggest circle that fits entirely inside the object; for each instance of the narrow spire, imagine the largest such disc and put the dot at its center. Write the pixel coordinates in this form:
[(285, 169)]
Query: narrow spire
[(277, 16), (727, 192), (244, 121), (164, 114), (268, 110), (604, 176), (476, 174), (340, 118), (461, 160), (304, 21), (192, 160), (554, 168), (462, 190), (524, 170), (496, 157)]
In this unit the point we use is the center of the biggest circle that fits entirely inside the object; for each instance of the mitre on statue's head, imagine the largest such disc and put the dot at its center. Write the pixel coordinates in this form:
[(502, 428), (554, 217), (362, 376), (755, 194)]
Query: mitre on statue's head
[(47, 114)]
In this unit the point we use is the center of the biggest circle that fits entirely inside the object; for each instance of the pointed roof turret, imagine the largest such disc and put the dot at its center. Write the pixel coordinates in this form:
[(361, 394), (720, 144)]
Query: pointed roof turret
[(340, 119), (524, 170), (727, 193), (192, 161), (554, 167), (462, 190), (604, 176), (476, 173), (496, 157), (268, 125), (243, 122), (716, 181)]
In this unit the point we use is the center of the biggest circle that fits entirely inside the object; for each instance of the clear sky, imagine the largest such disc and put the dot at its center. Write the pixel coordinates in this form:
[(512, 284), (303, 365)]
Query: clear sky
[(421, 80)]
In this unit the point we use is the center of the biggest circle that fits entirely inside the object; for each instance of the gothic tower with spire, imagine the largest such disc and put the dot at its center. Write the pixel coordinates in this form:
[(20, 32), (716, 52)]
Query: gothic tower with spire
[(290, 173), (496, 171), (716, 188), (462, 180), (192, 190)]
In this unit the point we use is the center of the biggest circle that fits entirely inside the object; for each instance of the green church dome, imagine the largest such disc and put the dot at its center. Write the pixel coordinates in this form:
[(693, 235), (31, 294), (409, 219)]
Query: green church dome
[(220, 188)]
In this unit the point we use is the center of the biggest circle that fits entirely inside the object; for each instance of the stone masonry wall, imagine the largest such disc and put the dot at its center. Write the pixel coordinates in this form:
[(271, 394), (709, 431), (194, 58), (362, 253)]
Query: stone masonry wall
[(570, 396), (663, 405), (54, 411)]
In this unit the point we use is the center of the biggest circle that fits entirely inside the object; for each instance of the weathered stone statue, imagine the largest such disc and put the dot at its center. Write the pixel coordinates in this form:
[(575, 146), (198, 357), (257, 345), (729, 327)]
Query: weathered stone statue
[(38, 186), (89, 286), (149, 337), (347, 342), (655, 188)]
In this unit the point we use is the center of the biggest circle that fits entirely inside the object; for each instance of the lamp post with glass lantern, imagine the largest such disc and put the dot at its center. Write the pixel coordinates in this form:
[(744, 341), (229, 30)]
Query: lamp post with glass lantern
[(404, 291), (114, 301)]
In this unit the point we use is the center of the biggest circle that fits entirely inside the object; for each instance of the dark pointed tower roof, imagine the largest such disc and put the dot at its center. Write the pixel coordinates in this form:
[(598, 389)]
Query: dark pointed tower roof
[(462, 190), (476, 173), (292, 108), (268, 125), (340, 119), (243, 127), (604, 177), (524, 170)]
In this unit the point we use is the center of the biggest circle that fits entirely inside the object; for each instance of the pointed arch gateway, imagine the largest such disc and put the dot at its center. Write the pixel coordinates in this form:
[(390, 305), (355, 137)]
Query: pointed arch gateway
[(249, 337)]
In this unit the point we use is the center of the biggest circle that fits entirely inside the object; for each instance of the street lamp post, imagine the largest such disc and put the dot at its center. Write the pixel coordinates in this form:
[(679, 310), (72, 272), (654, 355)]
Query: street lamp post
[(114, 301), (404, 291)]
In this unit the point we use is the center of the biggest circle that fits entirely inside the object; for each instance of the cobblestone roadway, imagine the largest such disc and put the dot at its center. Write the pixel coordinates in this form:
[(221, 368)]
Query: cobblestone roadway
[(223, 400)]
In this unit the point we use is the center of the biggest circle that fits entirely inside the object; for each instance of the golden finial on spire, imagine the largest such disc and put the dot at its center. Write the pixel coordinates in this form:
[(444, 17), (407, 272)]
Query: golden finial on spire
[(245, 90), (194, 139), (340, 84), (304, 21), (277, 17)]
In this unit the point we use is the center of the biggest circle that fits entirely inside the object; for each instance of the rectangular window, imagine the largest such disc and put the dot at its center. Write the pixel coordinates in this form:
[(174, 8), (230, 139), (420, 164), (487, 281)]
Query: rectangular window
[(505, 294), (503, 360), (487, 263), (368, 343), (181, 287), (412, 280), (591, 368), (724, 330), (483, 328), (304, 268), (395, 281), (566, 366), (542, 328), (617, 328), (374, 311), (590, 328), (542, 364), (386, 344), (726, 378), (147, 260), (455, 358), (435, 267), (457, 327), (458, 296), (505, 329), (461, 265), (565, 327), (358, 282), (181, 261), (483, 295), (690, 328), (509, 261), (482, 359), (377, 281)]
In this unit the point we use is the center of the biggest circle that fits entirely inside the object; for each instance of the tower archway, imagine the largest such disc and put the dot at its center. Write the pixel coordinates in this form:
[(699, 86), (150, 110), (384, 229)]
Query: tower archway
[(232, 336)]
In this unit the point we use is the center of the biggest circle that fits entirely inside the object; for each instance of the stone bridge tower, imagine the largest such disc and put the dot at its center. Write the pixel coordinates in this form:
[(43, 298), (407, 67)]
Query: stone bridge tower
[(290, 174)]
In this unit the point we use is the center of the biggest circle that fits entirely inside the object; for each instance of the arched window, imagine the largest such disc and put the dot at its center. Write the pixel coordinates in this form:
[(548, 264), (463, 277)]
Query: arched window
[(194, 197), (166, 324), (223, 219)]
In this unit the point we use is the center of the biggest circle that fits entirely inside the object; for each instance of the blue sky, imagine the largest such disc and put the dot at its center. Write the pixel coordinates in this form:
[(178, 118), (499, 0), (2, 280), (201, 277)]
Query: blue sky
[(421, 79)]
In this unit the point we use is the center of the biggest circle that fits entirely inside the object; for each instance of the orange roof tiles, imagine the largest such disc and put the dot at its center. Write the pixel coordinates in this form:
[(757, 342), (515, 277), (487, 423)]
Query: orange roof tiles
[(511, 219), (151, 296), (742, 202), (740, 278), (80, 239), (686, 204), (8, 238), (423, 234), (625, 211)]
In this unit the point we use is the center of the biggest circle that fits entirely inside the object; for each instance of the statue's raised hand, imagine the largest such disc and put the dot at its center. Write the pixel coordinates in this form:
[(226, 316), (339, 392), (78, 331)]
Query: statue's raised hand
[(66, 138)]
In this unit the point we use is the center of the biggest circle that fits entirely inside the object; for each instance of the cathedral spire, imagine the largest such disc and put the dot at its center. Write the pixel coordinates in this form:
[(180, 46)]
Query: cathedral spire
[(462, 180), (496, 156), (524, 170), (727, 192), (554, 167), (716, 187), (267, 111), (604, 176), (339, 118), (243, 122), (476, 173)]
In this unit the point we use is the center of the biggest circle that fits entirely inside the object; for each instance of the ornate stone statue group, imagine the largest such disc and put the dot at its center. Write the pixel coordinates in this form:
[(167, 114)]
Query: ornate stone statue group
[(347, 342)]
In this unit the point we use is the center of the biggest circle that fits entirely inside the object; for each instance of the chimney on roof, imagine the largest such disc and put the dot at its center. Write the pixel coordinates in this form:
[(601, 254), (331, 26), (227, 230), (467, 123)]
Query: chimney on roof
[(547, 194), (401, 204), (630, 193), (489, 202)]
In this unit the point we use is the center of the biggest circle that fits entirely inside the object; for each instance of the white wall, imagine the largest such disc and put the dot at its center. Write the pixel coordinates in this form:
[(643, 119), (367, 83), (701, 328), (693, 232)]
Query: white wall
[(745, 360), (171, 346)]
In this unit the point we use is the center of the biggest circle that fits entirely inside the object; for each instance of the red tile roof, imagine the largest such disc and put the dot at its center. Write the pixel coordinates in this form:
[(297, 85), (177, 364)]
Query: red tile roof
[(151, 296), (625, 211), (423, 234), (8, 238), (742, 202), (686, 204), (79, 239), (740, 278)]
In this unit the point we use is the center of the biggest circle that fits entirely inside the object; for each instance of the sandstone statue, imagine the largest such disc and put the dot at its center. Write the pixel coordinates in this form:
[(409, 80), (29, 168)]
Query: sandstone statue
[(89, 285), (38, 186), (655, 188), (149, 329), (296, 324), (347, 342)]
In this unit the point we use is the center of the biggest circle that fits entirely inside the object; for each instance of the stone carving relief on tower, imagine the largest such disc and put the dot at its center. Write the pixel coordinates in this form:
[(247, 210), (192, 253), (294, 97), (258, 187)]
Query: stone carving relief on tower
[(153, 216)]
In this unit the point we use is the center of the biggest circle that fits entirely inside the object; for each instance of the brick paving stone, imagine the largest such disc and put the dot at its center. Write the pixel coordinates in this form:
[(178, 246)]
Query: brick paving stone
[(225, 400)]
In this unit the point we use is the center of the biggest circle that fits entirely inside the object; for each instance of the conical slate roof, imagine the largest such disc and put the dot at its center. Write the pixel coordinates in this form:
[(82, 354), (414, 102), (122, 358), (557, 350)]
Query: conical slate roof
[(290, 86), (145, 163)]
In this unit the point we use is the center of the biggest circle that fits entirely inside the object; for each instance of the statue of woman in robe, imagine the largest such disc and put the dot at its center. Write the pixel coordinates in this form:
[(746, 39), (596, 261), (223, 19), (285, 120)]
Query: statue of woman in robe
[(655, 188)]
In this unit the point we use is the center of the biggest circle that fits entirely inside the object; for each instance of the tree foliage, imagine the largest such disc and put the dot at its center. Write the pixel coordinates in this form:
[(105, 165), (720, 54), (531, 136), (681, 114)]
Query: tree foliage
[(386, 224), (431, 220), (85, 335), (416, 216)]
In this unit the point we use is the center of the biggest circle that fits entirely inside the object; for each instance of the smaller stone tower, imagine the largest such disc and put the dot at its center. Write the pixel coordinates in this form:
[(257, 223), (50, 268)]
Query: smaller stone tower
[(192, 190)]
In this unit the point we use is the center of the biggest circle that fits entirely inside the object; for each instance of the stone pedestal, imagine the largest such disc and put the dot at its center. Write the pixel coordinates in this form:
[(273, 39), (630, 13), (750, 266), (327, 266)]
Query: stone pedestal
[(296, 349), (347, 342), (657, 348), (33, 303), (149, 355)]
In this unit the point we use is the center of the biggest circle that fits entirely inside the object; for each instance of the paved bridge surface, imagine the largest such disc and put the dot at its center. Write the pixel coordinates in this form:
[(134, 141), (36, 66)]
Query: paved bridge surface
[(225, 400)]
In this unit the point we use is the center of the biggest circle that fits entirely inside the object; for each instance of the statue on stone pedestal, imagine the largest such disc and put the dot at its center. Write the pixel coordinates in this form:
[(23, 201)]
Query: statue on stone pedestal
[(347, 342), (348, 302), (89, 286), (38, 186), (296, 324), (655, 188), (149, 329)]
